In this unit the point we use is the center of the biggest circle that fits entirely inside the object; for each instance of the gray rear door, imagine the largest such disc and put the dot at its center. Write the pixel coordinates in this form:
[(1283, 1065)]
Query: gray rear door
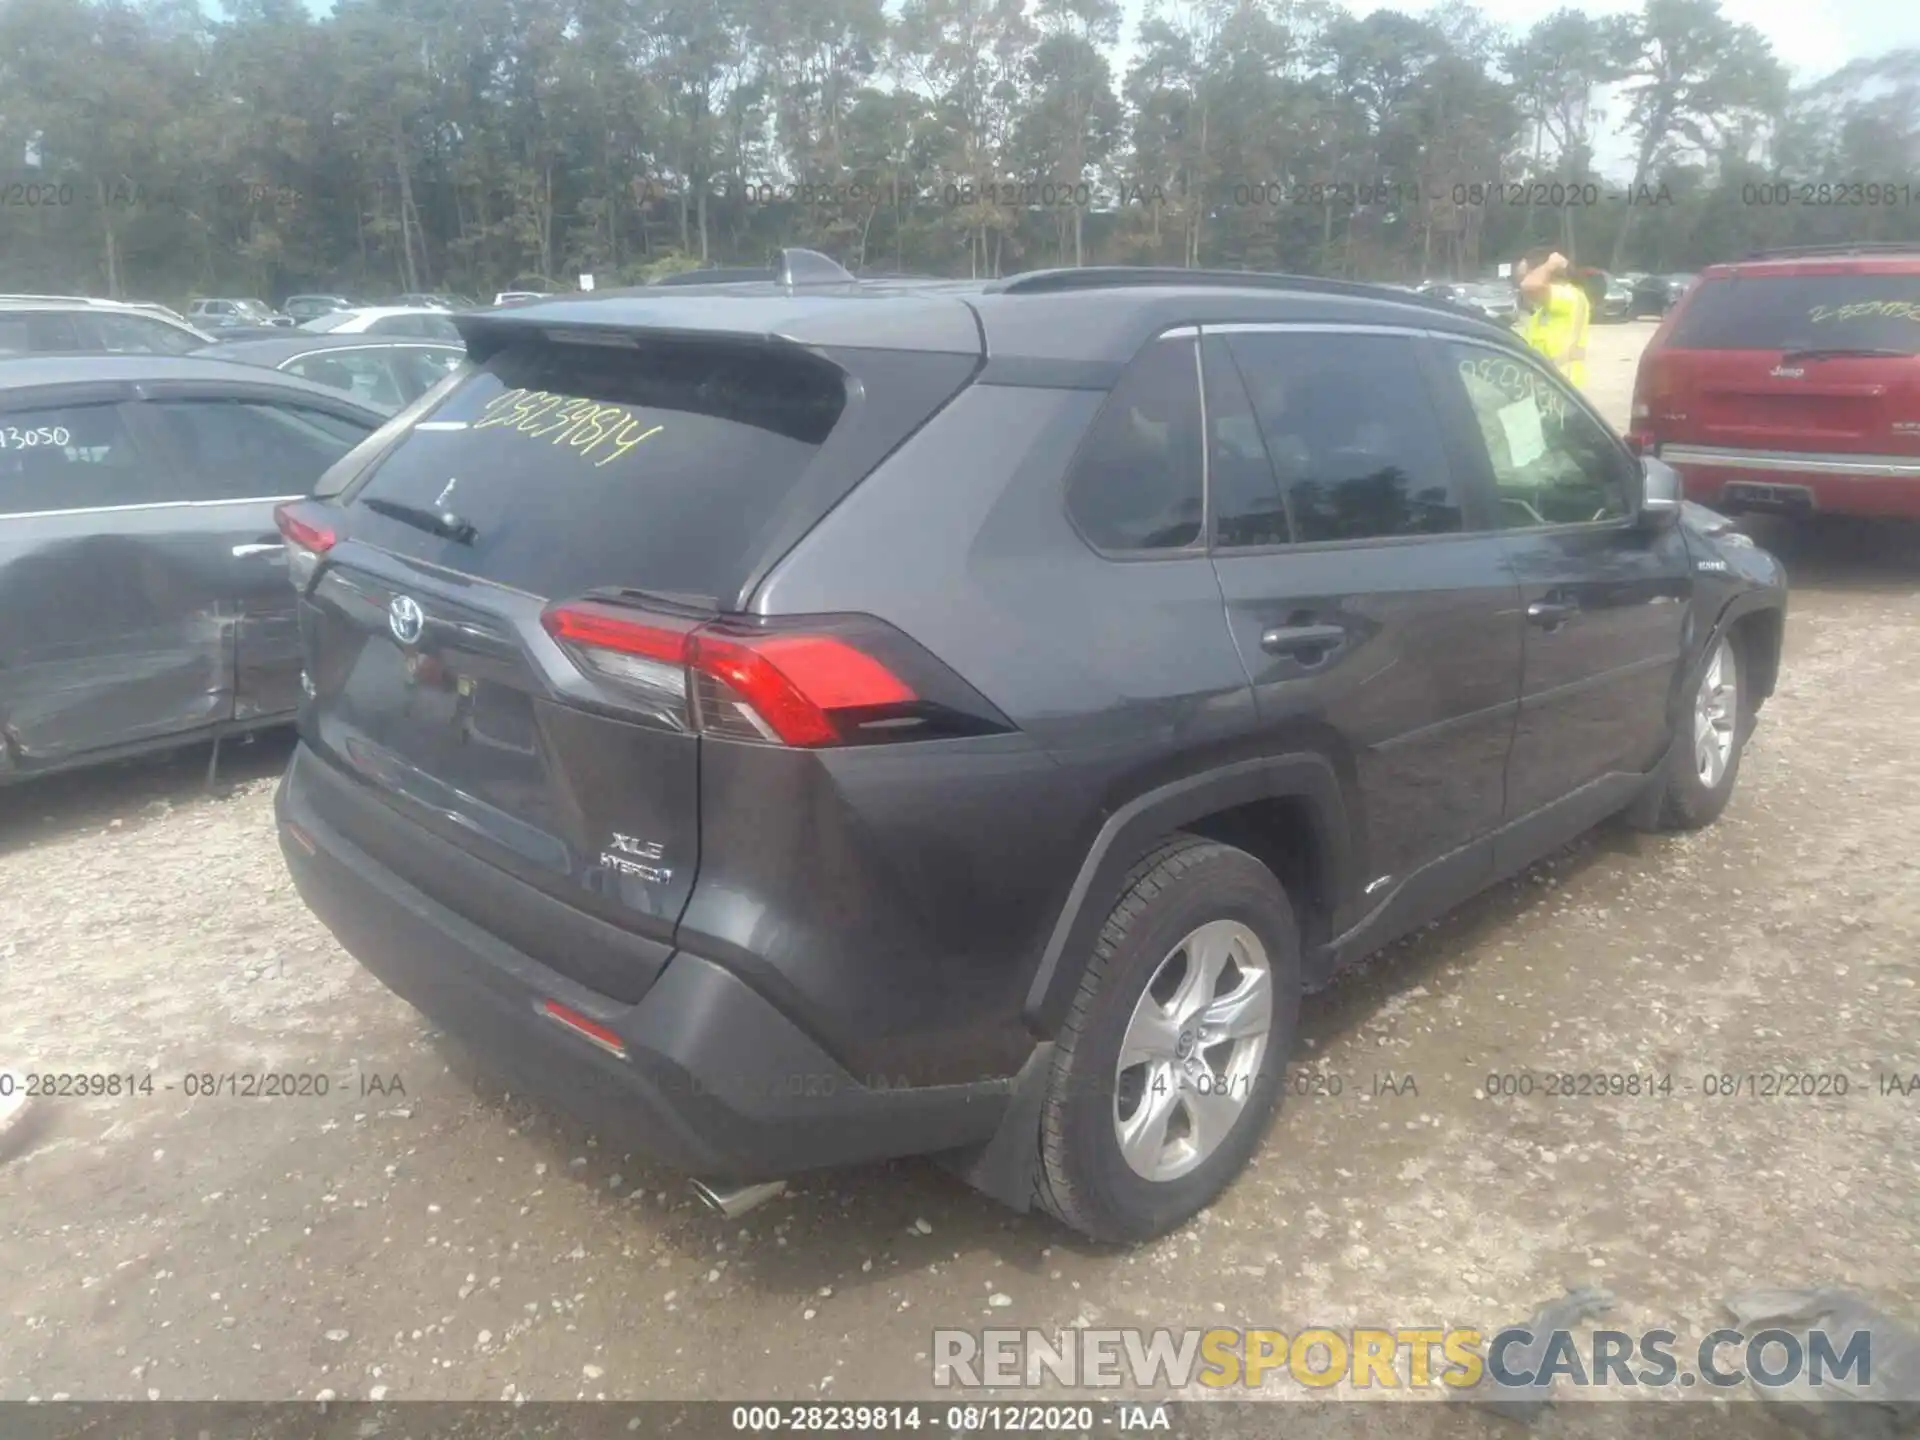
[(1368, 594), (113, 594), (233, 459)]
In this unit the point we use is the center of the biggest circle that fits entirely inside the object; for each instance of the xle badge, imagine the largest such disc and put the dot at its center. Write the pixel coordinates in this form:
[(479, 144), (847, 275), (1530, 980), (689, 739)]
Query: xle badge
[(627, 855)]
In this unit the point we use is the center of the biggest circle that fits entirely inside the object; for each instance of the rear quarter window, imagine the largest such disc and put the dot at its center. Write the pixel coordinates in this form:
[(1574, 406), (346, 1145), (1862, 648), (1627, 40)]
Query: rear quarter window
[(579, 466), (1795, 312)]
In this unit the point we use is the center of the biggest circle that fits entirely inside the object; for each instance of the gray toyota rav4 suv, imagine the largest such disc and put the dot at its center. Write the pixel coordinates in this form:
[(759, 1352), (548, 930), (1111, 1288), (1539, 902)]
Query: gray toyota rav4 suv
[(795, 724)]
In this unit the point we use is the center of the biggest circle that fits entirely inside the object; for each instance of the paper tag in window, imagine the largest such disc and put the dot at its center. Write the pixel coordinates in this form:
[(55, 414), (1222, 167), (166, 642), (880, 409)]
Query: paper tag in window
[(1520, 421)]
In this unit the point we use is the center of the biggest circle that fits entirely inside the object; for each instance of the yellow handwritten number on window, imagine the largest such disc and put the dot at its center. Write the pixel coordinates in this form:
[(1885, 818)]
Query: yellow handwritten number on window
[(578, 424)]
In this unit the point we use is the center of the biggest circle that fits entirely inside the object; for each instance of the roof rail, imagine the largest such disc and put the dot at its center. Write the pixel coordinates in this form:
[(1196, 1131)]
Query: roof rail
[(1102, 277), (1857, 247)]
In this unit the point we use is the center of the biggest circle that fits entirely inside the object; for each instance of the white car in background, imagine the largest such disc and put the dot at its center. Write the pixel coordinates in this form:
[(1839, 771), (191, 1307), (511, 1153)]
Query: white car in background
[(411, 321), (510, 297), (43, 325)]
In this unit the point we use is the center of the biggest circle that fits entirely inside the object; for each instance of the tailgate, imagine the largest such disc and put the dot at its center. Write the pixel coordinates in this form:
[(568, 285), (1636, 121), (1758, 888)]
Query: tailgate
[(447, 699), (1810, 358), (1759, 400), (556, 469)]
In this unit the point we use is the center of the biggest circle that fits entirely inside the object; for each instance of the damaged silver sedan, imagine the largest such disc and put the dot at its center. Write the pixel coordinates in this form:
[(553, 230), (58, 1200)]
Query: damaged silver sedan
[(144, 599)]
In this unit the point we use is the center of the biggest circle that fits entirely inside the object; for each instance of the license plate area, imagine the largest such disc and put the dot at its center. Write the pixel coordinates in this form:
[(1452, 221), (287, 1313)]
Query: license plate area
[(1757, 495)]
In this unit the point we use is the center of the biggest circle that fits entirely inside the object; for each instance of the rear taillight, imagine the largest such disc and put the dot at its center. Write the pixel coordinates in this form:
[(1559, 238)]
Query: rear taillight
[(789, 688), (308, 536), (645, 658), (1640, 430), (835, 680)]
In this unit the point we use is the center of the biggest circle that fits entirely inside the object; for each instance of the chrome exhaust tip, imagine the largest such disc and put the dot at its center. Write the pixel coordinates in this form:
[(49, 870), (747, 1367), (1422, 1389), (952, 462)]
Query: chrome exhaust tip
[(733, 1201)]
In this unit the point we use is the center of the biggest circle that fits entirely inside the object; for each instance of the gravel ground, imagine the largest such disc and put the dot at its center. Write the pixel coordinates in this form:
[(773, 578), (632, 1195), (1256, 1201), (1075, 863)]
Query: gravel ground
[(418, 1234)]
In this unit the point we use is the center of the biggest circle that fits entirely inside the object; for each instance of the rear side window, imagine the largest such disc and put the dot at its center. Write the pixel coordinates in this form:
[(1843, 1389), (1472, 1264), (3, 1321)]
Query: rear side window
[(239, 450), (1352, 435), (1135, 483), (576, 466), (139, 335), (1801, 312), (39, 333), (419, 327), (76, 457), (420, 370), (1248, 507), (365, 374)]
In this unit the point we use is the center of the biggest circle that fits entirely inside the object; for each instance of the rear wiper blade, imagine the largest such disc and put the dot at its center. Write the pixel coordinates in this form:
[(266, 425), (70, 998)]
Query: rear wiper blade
[(1830, 352), (445, 524)]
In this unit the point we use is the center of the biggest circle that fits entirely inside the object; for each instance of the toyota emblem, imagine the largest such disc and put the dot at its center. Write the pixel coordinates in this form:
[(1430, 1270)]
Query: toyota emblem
[(406, 619)]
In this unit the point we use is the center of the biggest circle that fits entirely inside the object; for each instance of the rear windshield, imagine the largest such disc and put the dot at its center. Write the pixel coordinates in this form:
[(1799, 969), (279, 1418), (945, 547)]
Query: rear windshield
[(580, 466), (1800, 312)]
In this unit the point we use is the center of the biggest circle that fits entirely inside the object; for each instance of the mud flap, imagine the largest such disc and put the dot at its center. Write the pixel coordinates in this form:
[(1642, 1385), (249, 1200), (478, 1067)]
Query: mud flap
[(1644, 813), (1003, 1169)]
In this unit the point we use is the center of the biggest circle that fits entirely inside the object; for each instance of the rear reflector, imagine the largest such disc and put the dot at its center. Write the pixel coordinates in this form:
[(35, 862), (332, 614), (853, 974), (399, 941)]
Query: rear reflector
[(599, 1035)]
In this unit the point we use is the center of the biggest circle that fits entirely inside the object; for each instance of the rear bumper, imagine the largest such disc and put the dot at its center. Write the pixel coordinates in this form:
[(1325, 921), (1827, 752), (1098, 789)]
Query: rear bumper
[(1795, 482), (715, 1080)]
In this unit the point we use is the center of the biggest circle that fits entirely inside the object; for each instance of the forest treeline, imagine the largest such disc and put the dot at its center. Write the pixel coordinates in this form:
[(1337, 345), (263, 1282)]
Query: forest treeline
[(155, 151)]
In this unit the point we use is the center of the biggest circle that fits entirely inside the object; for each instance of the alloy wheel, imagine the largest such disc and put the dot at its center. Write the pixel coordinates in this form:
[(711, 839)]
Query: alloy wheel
[(1193, 1050), (1716, 712)]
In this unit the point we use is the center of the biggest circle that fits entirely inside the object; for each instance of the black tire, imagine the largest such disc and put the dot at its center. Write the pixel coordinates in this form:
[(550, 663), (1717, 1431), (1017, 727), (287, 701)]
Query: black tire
[(1083, 1179), (1689, 802)]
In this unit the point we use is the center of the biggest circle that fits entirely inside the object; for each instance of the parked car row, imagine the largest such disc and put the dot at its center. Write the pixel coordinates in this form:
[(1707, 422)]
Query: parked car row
[(222, 314), (55, 325), (1493, 298), (1654, 295), (309, 307), (413, 321), (385, 358), (386, 374), (1612, 299)]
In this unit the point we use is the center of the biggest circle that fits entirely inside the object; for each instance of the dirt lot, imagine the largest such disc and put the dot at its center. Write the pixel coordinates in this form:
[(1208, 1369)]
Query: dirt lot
[(445, 1243)]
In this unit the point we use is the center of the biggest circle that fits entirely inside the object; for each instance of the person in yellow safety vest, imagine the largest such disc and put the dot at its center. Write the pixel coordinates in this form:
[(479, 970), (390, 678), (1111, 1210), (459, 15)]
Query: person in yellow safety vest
[(1556, 310)]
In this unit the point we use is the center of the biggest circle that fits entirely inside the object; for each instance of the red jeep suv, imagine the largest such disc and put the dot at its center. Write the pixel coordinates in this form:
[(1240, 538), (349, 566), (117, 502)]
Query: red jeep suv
[(1790, 382)]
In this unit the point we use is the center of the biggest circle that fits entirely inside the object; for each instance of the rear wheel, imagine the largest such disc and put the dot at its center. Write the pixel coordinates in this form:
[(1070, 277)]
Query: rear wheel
[(1706, 759), (1166, 1072)]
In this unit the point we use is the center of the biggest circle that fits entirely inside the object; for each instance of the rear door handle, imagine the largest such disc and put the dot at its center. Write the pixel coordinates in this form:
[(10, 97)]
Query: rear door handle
[(1551, 614), (1302, 640), (241, 552)]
